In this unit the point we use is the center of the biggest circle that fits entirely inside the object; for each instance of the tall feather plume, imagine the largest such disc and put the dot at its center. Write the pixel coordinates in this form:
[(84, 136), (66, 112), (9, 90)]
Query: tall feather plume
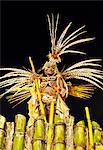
[(64, 44)]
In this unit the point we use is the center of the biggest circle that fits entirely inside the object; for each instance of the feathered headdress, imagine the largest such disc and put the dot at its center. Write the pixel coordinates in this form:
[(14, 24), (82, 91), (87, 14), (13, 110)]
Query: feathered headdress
[(64, 44)]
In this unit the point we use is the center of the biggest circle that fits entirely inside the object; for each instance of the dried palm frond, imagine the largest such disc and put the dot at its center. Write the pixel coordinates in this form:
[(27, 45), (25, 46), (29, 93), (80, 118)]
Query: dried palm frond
[(82, 91), (19, 82), (61, 46), (85, 70)]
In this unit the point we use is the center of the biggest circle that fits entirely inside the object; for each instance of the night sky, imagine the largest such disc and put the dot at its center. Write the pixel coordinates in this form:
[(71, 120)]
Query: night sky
[(24, 33)]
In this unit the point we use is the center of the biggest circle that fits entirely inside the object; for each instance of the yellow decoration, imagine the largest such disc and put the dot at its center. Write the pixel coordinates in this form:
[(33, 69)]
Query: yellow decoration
[(89, 128)]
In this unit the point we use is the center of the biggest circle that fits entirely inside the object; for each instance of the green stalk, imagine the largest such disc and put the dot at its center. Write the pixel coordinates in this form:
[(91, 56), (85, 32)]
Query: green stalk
[(50, 128), (42, 111), (99, 147), (97, 132), (50, 134), (9, 135), (29, 137), (39, 134), (91, 142), (33, 114), (79, 135), (2, 124), (20, 122), (69, 133), (87, 138), (59, 139)]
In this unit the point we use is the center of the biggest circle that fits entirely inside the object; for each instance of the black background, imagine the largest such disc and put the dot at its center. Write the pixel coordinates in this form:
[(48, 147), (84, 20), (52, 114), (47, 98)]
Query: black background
[(25, 33)]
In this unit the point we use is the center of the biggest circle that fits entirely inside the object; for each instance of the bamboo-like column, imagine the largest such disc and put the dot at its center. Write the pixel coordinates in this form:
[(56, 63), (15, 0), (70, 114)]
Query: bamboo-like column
[(29, 137), (69, 133), (91, 142), (97, 134), (87, 138), (33, 114), (50, 131), (59, 133), (99, 147), (20, 122), (9, 135), (2, 124), (39, 99), (39, 134), (37, 81), (79, 135)]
